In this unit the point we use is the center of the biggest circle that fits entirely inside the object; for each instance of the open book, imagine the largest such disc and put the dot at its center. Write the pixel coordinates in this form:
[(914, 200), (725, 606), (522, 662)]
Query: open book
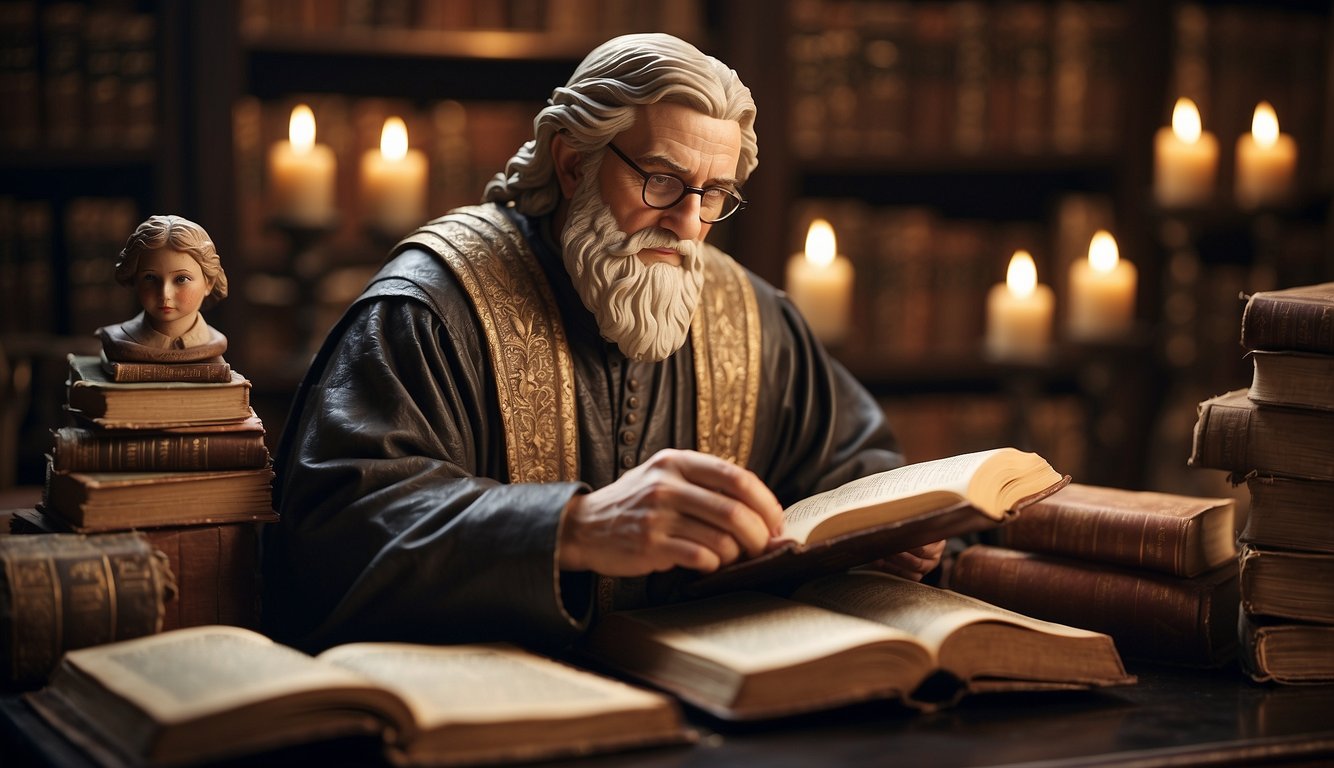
[(888, 512), (204, 693), (842, 639)]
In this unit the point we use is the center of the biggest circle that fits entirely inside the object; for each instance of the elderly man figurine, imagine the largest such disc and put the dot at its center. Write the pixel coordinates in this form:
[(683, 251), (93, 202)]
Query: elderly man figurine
[(544, 399)]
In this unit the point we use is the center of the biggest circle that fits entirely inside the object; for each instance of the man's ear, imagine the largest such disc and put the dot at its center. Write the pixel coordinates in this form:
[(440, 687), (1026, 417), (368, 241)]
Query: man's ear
[(569, 165)]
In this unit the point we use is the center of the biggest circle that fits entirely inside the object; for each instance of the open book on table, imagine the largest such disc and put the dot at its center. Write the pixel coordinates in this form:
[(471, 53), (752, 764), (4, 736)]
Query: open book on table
[(205, 693), (842, 639), (892, 511)]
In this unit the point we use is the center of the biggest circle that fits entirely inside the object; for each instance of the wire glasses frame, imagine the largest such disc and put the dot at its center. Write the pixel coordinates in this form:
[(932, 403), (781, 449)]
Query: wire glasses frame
[(663, 191)]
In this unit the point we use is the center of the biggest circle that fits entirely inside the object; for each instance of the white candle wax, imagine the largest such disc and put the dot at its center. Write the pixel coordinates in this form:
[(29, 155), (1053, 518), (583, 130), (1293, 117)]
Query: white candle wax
[(1185, 159), (819, 282), (393, 180), (1102, 293), (301, 173), (1266, 161), (1019, 313)]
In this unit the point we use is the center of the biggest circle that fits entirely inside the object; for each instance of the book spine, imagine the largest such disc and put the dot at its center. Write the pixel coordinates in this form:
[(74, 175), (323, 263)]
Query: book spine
[(217, 574), (1116, 537), (1150, 616), (199, 372), (79, 451), (1241, 437), (1277, 323), (64, 591)]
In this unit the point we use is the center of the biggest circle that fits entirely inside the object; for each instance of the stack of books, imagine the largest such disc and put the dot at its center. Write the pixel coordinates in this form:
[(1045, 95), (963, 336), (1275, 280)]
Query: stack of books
[(175, 451), (1277, 436), (1156, 571)]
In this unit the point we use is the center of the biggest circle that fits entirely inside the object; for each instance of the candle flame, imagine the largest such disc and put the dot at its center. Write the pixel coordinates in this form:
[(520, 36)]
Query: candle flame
[(1264, 125), (821, 245), (1022, 276), (394, 139), (1103, 253), (1186, 121), (301, 129)]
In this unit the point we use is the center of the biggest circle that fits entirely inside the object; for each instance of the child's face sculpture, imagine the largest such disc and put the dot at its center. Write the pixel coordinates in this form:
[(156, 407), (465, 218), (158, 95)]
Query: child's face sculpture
[(171, 287)]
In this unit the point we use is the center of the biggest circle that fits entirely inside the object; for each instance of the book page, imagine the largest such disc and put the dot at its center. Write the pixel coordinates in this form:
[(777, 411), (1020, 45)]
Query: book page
[(485, 682), (950, 475), (183, 674), (930, 613), (751, 631)]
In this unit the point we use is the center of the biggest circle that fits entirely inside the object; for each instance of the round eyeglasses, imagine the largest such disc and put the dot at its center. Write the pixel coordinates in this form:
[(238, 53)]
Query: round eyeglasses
[(663, 191)]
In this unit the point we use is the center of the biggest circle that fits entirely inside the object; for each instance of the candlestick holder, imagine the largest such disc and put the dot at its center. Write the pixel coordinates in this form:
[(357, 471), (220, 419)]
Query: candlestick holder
[(304, 265)]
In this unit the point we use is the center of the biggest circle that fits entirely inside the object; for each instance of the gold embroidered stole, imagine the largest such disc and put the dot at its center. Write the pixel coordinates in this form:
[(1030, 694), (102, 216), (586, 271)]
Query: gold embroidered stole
[(531, 357)]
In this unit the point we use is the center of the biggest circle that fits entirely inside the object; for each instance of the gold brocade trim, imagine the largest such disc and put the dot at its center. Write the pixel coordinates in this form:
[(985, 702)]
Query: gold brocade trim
[(726, 337), (525, 338)]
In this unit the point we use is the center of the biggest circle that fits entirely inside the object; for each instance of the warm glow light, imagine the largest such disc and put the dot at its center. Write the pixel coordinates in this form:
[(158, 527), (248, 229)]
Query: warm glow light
[(1103, 253), (301, 129), (1186, 121), (821, 246), (1264, 125), (1022, 276), (394, 140)]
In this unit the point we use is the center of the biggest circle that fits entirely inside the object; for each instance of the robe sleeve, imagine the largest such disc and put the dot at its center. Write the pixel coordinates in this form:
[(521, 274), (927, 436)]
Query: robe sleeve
[(394, 522)]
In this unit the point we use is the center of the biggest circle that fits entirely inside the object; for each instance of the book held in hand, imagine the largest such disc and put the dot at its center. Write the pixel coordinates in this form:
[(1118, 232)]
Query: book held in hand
[(892, 511), (842, 639), (207, 693), (1164, 532), (94, 397)]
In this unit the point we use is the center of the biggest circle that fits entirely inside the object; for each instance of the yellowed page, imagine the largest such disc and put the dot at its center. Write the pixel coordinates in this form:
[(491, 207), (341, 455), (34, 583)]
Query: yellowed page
[(184, 674), (485, 682), (949, 476)]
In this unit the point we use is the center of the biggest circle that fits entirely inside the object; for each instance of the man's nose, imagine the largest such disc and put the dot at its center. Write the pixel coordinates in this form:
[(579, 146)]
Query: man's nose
[(683, 218)]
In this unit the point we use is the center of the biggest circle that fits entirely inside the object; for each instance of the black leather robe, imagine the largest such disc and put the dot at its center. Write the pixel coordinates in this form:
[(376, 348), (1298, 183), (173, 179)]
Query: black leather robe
[(397, 520)]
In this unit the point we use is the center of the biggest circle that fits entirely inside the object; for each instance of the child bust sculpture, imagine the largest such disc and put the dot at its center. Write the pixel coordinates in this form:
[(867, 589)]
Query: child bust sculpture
[(174, 269)]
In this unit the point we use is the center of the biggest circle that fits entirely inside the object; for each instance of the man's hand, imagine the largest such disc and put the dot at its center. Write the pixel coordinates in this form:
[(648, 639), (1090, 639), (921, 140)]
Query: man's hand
[(680, 508), (913, 563)]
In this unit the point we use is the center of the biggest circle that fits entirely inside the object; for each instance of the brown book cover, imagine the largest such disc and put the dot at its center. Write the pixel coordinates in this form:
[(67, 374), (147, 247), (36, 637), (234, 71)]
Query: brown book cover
[(1164, 532), (92, 395), (1234, 433), (108, 501), (1287, 585), (1279, 651), (205, 694), (1152, 616), (1290, 514), (888, 512), (1297, 379), (217, 447), (216, 371), (1296, 319), (59, 592), (216, 568)]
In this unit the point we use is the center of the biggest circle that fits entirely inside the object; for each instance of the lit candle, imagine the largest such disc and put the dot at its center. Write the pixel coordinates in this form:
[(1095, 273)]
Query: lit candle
[(1266, 161), (1019, 313), (393, 180), (1185, 159), (820, 284), (301, 173), (1102, 292)]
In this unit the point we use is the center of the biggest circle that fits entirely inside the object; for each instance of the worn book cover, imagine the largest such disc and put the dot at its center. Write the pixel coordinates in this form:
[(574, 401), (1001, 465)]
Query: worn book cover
[(204, 694), (1284, 651), (59, 592), (1166, 532), (216, 370), (93, 396), (1300, 318), (1287, 513), (180, 449), (878, 515), (107, 501), (1234, 433), (1287, 585), (1152, 616)]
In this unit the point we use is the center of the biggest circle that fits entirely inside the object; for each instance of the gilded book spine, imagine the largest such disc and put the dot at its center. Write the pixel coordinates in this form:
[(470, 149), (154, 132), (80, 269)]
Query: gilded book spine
[(197, 372), (83, 450), (66, 591), (1150, 616)]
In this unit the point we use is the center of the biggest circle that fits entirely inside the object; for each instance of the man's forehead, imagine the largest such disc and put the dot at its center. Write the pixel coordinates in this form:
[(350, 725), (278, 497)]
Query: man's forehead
[(668, 127)]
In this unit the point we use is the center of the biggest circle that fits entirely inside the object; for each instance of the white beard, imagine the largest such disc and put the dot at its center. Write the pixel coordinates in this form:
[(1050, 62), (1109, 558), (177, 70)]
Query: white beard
[(645, 309)]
